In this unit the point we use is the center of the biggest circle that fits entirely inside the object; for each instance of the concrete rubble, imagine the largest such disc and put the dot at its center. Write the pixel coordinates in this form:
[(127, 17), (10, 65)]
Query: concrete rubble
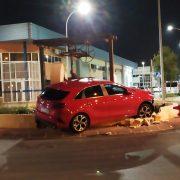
[(166, 113)]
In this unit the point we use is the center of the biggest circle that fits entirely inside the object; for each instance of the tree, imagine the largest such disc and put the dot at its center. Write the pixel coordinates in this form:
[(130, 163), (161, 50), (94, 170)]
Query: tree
[(171, 69)]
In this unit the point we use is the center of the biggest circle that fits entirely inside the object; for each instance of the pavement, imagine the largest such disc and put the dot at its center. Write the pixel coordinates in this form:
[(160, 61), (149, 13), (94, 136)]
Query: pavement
[(175, 99), (134, 156), (98, 131)]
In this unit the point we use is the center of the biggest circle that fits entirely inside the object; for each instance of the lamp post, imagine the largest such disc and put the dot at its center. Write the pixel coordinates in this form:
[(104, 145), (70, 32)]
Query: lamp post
[(161, 52), (83, 8), (143, 63)]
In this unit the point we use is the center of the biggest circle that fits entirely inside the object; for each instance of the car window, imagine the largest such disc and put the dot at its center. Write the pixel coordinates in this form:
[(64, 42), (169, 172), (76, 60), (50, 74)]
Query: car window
[(79, 95), (53, 94), (93, 91), (114, 89)]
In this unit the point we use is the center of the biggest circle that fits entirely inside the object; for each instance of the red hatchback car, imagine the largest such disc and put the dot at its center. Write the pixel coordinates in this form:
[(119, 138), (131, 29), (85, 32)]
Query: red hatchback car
[(78, 104)]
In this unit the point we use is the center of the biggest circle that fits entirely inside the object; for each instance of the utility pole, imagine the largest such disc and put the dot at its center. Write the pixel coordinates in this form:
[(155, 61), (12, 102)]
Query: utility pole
[(151, 75), (42, 66), (161, 52), (111, 56)]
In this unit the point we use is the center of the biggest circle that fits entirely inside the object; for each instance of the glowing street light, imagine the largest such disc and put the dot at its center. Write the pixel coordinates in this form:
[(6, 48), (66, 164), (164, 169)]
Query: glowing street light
[(171, 28), (83, 8)]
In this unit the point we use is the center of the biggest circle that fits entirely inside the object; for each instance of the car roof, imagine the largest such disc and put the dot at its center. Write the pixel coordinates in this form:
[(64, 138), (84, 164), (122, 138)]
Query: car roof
[(79, 84)]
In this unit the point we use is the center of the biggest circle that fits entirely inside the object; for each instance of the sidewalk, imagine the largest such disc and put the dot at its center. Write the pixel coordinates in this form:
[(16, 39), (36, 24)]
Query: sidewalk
[(173, 99), (105, 131), (169, 100)]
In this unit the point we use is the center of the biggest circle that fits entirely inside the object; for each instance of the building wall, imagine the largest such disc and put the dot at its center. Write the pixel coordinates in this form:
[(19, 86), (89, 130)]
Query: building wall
[(128, 75), (26, 31), (20, 76), (100, 69), (17, 47), (37, 32), (140, 75), (14, 32), (20, 79)]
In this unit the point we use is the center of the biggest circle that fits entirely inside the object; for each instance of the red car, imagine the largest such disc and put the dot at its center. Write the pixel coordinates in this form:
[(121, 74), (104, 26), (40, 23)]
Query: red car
[(78, 104)]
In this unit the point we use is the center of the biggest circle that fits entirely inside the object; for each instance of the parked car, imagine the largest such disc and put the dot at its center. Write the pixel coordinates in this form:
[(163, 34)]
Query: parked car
[(79, 104)]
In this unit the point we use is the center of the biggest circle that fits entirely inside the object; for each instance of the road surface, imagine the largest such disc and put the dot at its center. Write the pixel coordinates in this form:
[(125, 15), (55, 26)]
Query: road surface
[(125, 157)]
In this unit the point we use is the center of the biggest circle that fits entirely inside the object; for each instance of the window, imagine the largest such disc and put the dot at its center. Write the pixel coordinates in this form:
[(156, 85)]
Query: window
[(16, 56), (54, 94), (93, 91), (96, 67), (79, 95), (5, 56), (19, 56), (114, 89), (93, 66), (56, 59), (34, 57)]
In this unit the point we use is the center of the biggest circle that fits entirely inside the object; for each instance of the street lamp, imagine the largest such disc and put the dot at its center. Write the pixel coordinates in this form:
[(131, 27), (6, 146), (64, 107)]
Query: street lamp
[(171, 28), (143, 63), (82, 8)]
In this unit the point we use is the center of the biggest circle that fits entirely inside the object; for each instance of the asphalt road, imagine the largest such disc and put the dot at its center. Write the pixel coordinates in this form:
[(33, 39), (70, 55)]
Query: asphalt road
[(131, 157)]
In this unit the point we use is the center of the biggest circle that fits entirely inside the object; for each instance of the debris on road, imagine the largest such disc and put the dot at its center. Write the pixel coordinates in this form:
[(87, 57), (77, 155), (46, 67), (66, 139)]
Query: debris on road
[(165, 113), (177, 108), (146, 122), (135, 123), (108, 133)]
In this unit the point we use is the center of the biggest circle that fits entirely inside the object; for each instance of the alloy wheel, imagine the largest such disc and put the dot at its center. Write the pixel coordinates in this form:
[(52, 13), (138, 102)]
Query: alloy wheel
[(145, 111), (79, 123)]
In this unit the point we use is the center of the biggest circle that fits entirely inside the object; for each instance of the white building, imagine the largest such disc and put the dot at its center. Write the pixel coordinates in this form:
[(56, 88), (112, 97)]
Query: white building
[(142, 78), (24, 66)]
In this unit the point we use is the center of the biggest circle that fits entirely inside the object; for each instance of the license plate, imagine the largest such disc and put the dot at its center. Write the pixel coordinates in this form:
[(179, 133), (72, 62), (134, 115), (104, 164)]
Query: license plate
[(44, 110)]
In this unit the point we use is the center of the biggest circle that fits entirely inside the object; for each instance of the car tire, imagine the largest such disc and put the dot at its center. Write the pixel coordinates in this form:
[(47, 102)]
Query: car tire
[(40, 125), (79, 123), (145, 110)]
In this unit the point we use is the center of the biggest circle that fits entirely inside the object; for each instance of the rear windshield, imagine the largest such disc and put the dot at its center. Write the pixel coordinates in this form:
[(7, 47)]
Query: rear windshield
[(54, 94)]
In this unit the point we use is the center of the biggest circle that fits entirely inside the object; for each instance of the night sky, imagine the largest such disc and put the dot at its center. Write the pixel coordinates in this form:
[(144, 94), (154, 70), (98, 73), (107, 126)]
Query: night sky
[(133, 21)]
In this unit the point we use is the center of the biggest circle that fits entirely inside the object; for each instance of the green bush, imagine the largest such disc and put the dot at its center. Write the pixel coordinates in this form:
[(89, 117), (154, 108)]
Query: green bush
[(15, 110), (172, 94)]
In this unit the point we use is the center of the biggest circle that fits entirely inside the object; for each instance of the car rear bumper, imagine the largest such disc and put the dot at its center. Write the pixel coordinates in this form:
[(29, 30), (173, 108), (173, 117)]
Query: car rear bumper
[(50, 120)]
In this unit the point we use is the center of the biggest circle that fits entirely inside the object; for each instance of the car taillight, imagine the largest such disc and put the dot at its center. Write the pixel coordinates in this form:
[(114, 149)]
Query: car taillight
[(38, 101), (58, 105)]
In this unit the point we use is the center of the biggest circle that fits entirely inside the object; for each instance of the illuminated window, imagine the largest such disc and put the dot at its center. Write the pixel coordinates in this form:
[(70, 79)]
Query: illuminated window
[(5, 56), (93, 91)]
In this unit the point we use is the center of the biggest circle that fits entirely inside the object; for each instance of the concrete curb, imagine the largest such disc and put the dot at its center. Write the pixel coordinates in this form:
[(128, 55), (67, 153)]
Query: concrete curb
[(17, 121), (36, 134)]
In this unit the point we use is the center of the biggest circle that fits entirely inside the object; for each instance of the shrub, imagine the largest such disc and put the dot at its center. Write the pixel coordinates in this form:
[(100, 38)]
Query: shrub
[(172, 94), (15, 110)]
